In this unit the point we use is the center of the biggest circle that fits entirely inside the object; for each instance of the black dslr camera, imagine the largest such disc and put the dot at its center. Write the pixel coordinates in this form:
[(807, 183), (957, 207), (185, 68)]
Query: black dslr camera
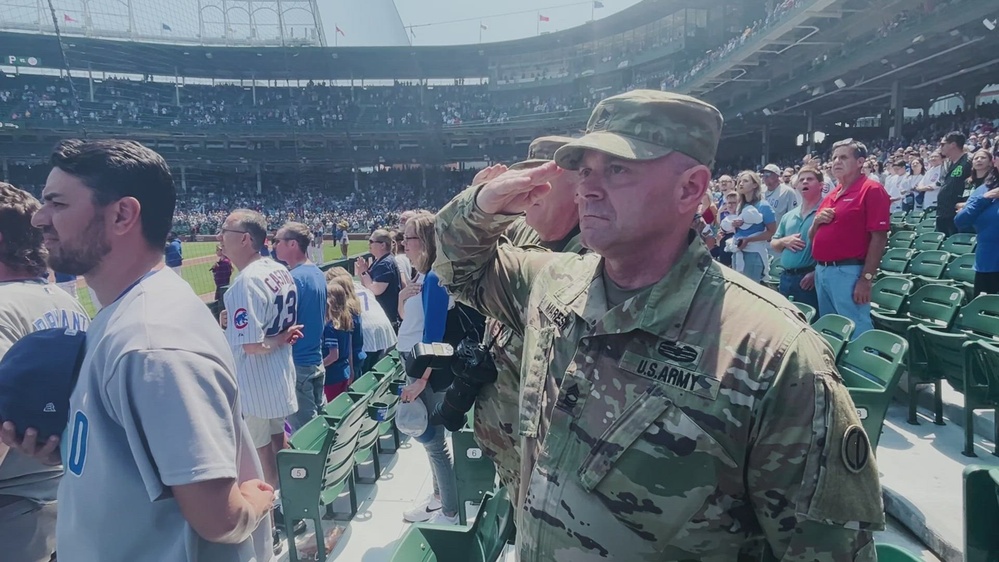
[(472, 366)]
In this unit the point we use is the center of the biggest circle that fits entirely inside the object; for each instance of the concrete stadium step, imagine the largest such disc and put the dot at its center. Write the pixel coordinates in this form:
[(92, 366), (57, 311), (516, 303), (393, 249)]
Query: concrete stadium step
[(921, 477), (953, 408)]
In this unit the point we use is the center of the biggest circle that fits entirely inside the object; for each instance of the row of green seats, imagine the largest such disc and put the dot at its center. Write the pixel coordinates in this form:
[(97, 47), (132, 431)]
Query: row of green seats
[(483, 541), (326, 452)]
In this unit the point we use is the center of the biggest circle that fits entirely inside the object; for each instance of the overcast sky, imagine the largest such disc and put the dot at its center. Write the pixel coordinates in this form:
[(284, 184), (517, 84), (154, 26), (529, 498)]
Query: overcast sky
[(362, 22), (501, 27)]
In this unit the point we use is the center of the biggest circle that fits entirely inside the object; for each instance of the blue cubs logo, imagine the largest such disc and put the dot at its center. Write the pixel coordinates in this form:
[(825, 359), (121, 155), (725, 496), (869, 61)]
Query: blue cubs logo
[(241, 319)]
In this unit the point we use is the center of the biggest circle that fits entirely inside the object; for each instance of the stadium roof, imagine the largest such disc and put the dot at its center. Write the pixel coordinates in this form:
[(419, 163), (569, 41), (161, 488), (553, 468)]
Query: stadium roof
[(317, 63)]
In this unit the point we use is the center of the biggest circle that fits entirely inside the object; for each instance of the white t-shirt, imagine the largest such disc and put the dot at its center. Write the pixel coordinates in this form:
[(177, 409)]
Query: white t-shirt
[(931, 178), (411, 329), (893, 185), (405, 266), (262, 301), (375, 325), (782, 199), (156, 406)]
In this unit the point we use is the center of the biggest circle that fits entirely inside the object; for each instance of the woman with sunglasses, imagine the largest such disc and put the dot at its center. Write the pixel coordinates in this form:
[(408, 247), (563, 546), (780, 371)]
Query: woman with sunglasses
[(381, 275)]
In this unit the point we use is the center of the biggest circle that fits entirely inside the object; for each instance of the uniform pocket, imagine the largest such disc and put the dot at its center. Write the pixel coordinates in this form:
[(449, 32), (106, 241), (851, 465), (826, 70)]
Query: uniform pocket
[(654, 468)]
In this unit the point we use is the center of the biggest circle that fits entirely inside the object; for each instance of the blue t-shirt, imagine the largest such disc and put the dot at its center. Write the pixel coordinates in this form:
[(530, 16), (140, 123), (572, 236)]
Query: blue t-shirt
[(435, 303), (339, 370), (768, 218), (174, 254), (385, 270), (311, 287), (793, 223), (983, 215), (64, 277)]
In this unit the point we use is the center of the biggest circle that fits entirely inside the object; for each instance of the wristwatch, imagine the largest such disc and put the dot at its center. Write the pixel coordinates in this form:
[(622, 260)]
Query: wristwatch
[(868, 276)]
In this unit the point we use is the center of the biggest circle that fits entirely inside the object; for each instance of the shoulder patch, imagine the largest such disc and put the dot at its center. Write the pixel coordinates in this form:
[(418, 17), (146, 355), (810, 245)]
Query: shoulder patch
[(856, 449)]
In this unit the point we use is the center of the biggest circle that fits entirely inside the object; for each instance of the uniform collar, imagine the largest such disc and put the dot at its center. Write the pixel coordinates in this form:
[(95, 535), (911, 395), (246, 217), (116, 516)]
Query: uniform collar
[(660, 310)]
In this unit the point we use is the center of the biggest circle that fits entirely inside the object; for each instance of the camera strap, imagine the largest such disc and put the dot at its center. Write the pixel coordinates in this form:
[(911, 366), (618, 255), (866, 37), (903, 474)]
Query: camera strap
[(469, 326)]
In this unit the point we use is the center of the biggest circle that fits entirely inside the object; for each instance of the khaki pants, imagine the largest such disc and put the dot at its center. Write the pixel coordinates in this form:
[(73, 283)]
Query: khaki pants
[(27, 531)]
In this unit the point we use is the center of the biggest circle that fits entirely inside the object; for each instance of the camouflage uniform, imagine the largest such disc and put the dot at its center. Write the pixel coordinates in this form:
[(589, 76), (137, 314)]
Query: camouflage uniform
[(697, 420), (497, 411)]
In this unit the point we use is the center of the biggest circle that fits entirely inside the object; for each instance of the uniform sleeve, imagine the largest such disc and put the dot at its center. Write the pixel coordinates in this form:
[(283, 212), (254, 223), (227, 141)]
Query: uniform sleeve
[(811, 476), (877, 209), (247, 306), (493, 278), (176, 410), (329, 339)]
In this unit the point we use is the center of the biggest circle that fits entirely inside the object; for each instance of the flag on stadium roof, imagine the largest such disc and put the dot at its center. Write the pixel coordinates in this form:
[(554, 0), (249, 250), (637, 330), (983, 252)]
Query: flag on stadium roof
[(340, 31), (67, 18), (598, 4), (543, 18), (166, 27), (483, 26)]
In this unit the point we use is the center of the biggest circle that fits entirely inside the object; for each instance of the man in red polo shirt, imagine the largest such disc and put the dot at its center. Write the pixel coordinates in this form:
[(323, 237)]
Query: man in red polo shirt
[(849, 235)]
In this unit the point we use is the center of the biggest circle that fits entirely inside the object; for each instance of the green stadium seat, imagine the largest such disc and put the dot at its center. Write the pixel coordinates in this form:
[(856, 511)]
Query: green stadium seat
[(475, 472), (484, 541), (377, 408), (960, 244), (391, 385), (902, 239), (930, 213), (871, 366), (980, 386), (926, 225), (960, 272), (837, 330), (936, 354), (888, 295), (773, 278), (897, 220), (892, 553), (912, 220), (927, 267), (806, 309), (981, 514), (935, 305), (927, 242), (895, 262), (316, 470)]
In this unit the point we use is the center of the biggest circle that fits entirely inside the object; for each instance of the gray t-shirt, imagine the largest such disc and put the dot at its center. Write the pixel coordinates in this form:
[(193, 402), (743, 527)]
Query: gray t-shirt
[(25, 307), (156, 406), (782, 199)]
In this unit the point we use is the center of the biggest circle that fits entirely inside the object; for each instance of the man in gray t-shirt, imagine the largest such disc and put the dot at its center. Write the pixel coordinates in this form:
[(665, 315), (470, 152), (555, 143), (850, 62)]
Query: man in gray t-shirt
[(27, 303), (158, 462)]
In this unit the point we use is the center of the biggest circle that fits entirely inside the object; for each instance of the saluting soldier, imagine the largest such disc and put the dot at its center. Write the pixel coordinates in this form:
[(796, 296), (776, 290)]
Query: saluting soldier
[(671, 409), (551, 223)]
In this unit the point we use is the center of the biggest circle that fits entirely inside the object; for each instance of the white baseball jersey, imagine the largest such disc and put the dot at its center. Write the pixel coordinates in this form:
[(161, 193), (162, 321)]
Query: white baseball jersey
[(262, 302), (378, 332), (26, 307), (156, 406)]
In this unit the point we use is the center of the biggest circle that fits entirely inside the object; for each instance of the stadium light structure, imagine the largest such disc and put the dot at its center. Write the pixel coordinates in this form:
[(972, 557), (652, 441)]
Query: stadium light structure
[(840, 83), (990, 24)]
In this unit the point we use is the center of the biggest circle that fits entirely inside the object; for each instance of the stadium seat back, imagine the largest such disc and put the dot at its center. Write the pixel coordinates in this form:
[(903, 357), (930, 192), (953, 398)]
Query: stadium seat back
[(960, 244), (896, 261), (902, 239), (929, 264), (807, 310), (892, 553), (925, 226), (935, 304), (981, 514), (927, 242), (870, 366), (837, 330)]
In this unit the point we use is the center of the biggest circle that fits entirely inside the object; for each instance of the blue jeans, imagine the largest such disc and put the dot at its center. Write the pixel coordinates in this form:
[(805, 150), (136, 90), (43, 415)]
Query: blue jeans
[(834, 286), (309, 389), (790, 287), (441, 463), (752, 266)]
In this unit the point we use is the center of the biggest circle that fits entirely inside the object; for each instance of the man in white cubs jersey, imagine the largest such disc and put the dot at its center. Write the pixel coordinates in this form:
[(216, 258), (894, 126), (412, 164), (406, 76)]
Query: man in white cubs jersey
[(157, 456), (27, 304), (261, 306)]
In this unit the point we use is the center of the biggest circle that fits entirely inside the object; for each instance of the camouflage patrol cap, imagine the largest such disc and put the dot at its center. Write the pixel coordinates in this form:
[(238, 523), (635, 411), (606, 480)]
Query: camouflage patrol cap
[(646, 125), (541, 151)]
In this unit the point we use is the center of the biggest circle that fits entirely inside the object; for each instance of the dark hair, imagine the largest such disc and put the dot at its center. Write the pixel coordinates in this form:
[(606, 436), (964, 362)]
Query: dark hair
[(21, 247), (254, 224), (114, 169), (956, 137)]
